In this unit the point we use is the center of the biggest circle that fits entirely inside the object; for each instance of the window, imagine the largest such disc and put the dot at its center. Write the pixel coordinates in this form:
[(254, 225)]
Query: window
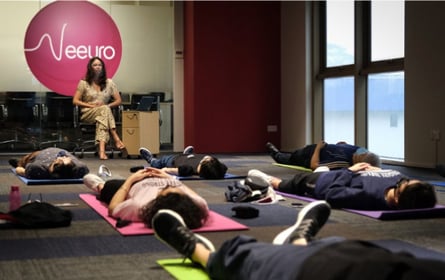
[(339, 110), (386, 114), (362, 74), (339, 33)]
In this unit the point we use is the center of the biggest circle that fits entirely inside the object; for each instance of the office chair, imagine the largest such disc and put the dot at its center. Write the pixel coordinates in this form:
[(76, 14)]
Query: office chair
[(58, 113), (20, 114), (88, 132)]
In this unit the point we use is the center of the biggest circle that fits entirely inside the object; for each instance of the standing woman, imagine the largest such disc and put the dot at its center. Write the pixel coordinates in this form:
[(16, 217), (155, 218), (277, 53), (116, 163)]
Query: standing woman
[(93, 95)]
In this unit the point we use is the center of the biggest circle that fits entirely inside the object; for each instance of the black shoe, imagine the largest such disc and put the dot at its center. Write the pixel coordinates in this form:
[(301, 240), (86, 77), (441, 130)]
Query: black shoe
[(170, 228), (309, 221), (272, 149), (13, 162), (146, 154)]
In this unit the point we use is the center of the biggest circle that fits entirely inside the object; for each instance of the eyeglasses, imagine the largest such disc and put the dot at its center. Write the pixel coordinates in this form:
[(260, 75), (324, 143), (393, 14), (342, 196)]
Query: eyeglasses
[(397, 188), (96, 64)]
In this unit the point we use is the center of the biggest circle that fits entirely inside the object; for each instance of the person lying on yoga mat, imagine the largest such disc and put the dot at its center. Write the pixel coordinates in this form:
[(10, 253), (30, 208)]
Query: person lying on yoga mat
[(334, 156), (294, 254), (50, 163), (186, 164), (146, 191), (361, 186)]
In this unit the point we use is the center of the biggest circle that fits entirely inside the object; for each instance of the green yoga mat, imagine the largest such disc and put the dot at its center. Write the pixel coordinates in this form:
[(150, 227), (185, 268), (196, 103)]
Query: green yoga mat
[(183, 269), (292, 166)]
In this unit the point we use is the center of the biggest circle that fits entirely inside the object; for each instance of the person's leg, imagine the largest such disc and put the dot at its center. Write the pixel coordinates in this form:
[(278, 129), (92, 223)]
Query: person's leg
[(164, 161), (243, 257), (301, 184), (277, 155), (109, 188), (102, 154)]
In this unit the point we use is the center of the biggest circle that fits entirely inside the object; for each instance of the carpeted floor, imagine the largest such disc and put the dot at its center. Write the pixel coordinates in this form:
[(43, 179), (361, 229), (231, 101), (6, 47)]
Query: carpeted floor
[(91, 249)]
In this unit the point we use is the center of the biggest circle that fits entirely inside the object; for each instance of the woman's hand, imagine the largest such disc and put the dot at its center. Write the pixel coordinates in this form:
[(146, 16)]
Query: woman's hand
[(159, 173)]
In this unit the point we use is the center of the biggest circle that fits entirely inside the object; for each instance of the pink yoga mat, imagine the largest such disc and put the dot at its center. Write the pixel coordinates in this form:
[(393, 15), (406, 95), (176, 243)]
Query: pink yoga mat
[(216, 222)]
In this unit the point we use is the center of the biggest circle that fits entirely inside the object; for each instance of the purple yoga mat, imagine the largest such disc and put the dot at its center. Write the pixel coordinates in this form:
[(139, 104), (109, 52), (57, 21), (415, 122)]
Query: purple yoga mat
[(438, 211)]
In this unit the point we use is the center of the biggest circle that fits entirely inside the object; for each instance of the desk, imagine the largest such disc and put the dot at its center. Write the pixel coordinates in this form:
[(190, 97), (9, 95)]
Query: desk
[(140, 129)]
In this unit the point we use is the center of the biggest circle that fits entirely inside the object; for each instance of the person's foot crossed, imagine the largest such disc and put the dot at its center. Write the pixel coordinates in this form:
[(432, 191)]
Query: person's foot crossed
[(310, 220)]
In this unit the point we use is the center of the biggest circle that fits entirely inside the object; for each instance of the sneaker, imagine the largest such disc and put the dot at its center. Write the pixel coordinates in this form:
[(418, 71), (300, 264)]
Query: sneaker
[(188, 150), (272, 149), (13, 162), (92, 181), (169, 227), (309, 221), (259, 178), (146, 154), (104, 171)]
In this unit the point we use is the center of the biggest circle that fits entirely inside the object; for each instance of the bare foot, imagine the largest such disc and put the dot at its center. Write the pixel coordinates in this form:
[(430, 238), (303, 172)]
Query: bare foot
[(103, 155), (120, 145)]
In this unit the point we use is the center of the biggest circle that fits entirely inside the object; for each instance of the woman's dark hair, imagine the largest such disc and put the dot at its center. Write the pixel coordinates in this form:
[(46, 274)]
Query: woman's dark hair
[(417, 195), (193, 215), (90, 75), (212, 169), (62, 171)]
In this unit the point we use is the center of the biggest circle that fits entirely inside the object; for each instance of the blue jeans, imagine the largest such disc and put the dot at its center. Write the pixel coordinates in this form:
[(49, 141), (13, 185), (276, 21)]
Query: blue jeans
[(164, 161)]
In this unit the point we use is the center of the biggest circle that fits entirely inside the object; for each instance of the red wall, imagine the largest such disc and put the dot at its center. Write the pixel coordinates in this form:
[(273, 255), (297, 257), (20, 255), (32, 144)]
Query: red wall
[(232, 75)]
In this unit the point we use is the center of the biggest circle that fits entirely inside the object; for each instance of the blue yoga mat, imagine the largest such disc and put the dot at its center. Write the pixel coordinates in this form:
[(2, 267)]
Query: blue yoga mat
[(226, 176), (48, 181)]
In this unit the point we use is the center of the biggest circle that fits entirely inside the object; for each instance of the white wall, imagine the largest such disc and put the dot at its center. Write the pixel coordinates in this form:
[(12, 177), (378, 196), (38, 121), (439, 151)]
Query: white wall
[(146, 29)]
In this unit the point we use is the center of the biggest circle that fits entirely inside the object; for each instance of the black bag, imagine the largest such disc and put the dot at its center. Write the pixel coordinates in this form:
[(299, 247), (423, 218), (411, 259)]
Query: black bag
[(245, 191), (40, 215)]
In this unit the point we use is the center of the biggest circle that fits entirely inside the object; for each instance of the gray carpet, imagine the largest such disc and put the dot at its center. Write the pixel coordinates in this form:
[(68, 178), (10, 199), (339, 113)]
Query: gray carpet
[(91, 249)]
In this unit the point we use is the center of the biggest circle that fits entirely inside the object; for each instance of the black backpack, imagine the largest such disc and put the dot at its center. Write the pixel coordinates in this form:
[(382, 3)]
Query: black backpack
[(38, 214)]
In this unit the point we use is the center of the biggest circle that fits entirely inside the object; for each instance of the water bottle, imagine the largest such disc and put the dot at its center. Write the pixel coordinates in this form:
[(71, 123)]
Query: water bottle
[(14, 198)]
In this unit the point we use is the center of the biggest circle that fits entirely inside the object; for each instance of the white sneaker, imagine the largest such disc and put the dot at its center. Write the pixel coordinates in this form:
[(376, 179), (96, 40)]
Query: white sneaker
[(259, 178), (188, 150), (104, 171), (92, 181), (309, 221)]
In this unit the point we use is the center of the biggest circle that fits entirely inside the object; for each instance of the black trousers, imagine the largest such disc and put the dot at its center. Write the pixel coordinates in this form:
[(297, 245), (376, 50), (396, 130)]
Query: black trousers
[(303, 183)]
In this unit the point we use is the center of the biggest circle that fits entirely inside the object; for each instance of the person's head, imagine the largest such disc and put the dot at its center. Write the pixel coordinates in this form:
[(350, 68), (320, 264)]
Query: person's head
[(367, 157), (96, 71), (175, 199), (412, 194), (62, 168), (211, 168)]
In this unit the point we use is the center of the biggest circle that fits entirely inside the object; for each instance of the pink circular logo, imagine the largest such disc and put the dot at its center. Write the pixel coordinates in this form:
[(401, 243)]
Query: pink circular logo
[(63, 36)]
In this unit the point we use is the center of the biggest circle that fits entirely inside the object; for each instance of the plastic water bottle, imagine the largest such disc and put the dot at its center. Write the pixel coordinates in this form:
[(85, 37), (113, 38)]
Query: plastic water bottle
[(14, 198)]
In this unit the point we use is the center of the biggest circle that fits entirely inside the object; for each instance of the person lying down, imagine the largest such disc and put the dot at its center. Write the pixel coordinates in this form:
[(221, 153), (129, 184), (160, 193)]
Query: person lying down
[(146, 191), (50, 163)]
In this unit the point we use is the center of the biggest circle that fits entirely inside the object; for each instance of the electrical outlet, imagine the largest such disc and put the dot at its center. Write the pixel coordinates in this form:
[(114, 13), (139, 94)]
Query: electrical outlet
[(435, 135), (272, 128)]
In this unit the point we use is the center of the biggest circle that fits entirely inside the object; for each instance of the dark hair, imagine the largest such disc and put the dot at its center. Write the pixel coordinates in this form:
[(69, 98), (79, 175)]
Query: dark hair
[(90, 75), (368, 157), (193, 215), (417, 195), (62, 171), (212, 169)]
